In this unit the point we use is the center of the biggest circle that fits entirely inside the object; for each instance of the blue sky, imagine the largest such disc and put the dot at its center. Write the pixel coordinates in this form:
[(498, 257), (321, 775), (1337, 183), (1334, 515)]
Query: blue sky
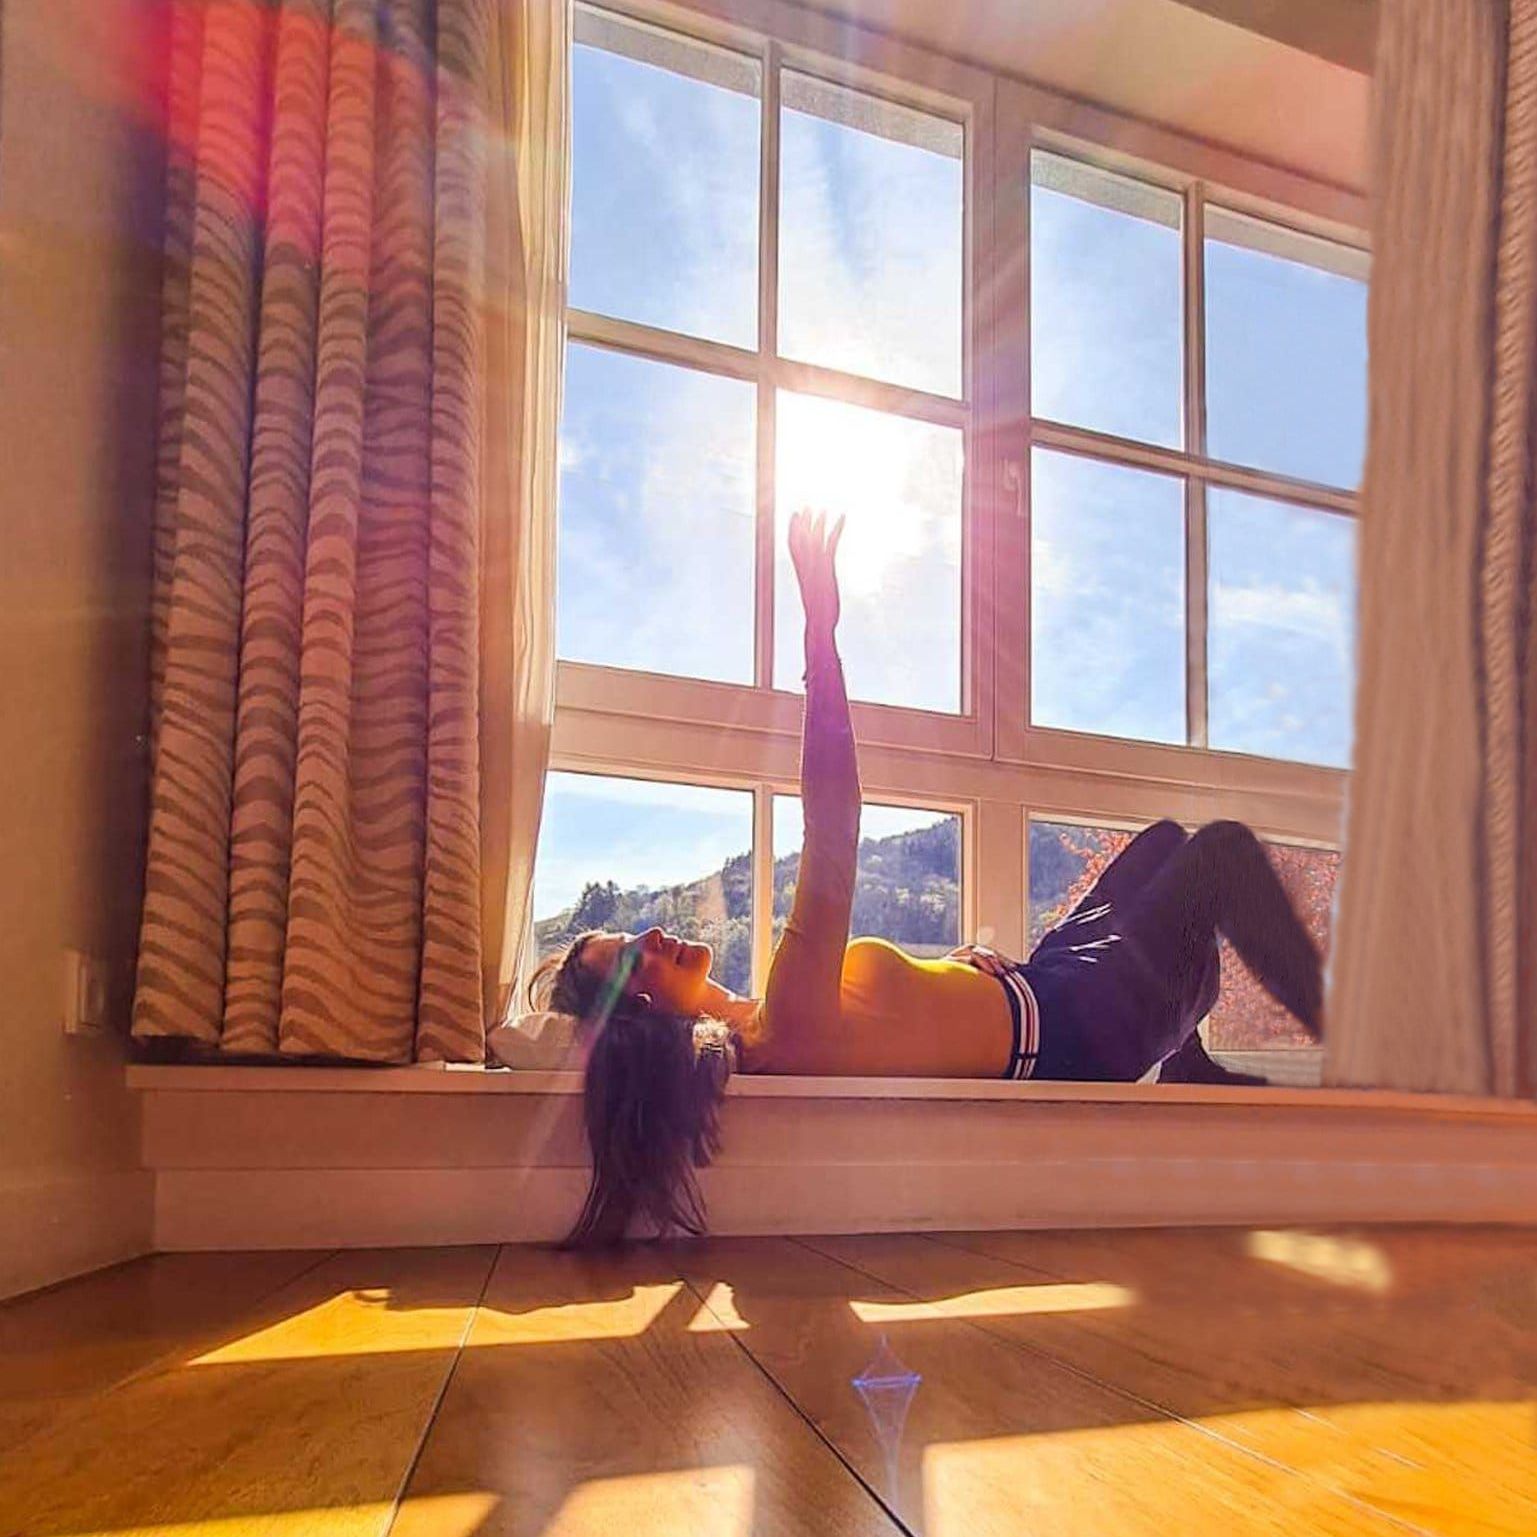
[(658, 471), (633, 833)]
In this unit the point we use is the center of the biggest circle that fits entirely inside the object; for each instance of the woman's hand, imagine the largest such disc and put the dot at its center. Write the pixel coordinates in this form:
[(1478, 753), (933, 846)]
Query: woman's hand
[(814, 552), (983, 958)]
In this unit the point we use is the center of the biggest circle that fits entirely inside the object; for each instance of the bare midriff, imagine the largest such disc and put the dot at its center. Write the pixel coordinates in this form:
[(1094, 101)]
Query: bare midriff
[(897, 1016)]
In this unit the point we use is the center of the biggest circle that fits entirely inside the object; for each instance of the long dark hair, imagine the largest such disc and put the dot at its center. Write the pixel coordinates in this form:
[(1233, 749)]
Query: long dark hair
[(651, 1100)]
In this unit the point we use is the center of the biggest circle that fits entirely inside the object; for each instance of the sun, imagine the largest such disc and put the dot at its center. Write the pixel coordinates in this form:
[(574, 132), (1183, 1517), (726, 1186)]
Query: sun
[(896, 481)]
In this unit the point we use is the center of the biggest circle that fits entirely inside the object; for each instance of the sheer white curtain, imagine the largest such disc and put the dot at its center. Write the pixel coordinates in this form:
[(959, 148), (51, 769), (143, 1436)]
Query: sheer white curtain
[(527, 262), (1433, 972)]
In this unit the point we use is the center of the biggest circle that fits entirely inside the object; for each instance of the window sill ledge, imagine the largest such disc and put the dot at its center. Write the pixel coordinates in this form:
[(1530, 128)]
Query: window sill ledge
[(322, 1157), (441, 1078)]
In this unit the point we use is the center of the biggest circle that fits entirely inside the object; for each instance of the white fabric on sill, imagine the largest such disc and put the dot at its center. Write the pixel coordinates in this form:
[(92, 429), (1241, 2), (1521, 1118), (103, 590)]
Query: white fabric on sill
[(543, 1042)]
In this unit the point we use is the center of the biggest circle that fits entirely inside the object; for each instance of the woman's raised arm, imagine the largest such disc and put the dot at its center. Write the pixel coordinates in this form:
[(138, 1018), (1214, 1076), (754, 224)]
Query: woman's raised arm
[(830, 795), (801, 999)]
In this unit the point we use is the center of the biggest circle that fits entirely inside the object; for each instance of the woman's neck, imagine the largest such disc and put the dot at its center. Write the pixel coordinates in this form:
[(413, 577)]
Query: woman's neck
[(731, 1008)]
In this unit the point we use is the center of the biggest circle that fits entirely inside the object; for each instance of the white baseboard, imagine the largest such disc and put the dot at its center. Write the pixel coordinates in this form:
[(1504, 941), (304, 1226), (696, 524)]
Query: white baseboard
[(367, 1208), (53, 1226)]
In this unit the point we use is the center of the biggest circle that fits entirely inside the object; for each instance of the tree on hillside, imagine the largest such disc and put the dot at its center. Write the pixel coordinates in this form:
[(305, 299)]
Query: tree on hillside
[(596, 906)]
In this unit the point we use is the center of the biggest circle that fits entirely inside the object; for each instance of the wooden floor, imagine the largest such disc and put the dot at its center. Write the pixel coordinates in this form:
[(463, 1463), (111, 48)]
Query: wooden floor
[(1167, 1383)]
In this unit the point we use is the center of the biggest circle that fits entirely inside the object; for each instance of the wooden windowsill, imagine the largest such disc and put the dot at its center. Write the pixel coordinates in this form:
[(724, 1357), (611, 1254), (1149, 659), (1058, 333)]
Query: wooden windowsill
[(438, 1078)]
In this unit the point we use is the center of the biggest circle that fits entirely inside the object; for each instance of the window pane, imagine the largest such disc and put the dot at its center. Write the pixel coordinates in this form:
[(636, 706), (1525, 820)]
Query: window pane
[(870, 240), (627, 853), (898, 482), (657, 492), (907, 886), (1066, 858), (664, 180), (1282, 629), (1285, 350), (1106, 329), (1107, 599), (1247, 1018)]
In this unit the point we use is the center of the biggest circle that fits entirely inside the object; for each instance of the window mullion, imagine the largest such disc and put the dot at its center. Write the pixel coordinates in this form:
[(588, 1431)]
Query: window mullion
[(1196, 688), (1003, 290), (1195, 321), (763, 586), (762, 886), (768, 342)]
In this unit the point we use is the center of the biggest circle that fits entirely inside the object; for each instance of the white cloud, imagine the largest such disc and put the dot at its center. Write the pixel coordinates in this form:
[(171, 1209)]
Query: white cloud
[(1310, 611)]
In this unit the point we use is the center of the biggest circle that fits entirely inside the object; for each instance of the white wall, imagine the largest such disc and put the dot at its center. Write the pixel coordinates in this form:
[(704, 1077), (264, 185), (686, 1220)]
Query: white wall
[(80, 172)]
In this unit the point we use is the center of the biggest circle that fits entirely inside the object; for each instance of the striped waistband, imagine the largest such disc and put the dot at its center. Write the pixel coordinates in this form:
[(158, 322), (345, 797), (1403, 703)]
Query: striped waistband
[(1027, 1025)]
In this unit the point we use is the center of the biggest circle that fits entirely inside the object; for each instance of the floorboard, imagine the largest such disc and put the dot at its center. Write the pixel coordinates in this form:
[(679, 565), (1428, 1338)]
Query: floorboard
[(1119, 1384), (87, 1335), (1393, 1368), (305, 1420), (595, 1396), (995, 1439)]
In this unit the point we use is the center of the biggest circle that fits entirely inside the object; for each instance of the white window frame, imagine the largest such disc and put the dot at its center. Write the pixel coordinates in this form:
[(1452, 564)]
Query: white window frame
[(987, 763)]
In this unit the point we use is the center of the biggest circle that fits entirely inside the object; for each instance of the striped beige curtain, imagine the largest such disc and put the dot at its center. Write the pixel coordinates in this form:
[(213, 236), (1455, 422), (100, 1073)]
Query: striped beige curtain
[(1433, 984), (351, 630)]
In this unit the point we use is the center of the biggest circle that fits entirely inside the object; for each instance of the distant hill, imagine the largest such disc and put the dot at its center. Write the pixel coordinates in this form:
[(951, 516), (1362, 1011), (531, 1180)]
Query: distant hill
[(908, 891)]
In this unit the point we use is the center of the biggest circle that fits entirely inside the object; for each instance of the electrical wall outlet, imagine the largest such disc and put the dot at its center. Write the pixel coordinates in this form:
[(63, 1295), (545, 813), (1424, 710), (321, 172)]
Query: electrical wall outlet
[(85, 994)]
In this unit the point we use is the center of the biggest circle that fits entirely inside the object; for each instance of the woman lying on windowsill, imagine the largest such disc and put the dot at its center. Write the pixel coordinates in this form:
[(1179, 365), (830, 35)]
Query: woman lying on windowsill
[(1116, 988)]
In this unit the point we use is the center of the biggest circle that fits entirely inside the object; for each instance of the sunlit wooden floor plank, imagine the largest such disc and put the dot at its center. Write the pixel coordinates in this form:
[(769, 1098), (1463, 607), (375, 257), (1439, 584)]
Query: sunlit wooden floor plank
[(1054, 1383), (1392, 1367), (87, 1335), (302, 1418), (587, 1403), (995, 1439)]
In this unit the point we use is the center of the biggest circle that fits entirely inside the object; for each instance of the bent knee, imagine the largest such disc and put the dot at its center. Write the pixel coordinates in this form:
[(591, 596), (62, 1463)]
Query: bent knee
[(1226, 832)]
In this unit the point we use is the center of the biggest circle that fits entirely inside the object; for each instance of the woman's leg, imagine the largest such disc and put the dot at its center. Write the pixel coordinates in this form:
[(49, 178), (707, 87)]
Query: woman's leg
[(1221, 881), (1120, 881), (1190, 1062), (1125, 876)]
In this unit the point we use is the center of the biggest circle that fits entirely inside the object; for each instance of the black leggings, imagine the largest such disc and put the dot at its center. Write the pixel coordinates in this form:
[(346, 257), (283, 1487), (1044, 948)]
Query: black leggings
[(1127, 977)]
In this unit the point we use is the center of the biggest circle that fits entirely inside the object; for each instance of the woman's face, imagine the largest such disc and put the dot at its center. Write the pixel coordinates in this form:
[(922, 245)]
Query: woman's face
[(672, 971)]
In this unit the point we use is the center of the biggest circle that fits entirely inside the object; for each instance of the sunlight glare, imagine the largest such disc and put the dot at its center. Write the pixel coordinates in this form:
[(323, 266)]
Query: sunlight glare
[(1000, 1302), (1470, 1458), (1036, 1483), (347, 1324), (867, 467), (332, 1328), (718, 1314), (1344, 1261), (567, 1323), (704, 1502)]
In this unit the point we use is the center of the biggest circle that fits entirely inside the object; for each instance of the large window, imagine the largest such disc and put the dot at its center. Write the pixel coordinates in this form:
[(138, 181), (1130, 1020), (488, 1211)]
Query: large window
[(624, 854), (1096, 426), (1186, 356), (735, 356), (907, 883)]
